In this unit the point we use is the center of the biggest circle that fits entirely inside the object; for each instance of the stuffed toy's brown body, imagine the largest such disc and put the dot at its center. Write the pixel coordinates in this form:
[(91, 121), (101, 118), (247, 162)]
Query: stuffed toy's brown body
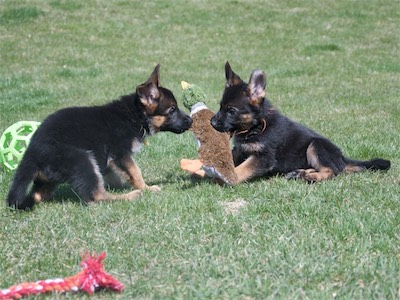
[(214, 152)]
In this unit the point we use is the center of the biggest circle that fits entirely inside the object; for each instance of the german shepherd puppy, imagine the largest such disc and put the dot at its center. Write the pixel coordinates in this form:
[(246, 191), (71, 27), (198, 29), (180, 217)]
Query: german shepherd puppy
[(79, 145), (268, 143)]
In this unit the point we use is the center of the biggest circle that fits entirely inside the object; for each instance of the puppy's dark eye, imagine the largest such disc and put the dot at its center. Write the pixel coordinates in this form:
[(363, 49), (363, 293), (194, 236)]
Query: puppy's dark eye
[(172, 110), (232, 110)]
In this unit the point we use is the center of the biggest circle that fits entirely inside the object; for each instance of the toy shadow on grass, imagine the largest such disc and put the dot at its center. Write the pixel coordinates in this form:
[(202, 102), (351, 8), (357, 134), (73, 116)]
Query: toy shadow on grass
[(171, 178)]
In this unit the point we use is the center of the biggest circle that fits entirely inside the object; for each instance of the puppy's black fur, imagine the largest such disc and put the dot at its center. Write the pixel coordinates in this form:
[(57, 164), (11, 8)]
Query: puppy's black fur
[(80, 145), (268, 143)]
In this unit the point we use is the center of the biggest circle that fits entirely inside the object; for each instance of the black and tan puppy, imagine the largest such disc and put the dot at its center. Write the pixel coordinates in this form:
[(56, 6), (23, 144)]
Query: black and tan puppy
[(79, 145), (268, 143)]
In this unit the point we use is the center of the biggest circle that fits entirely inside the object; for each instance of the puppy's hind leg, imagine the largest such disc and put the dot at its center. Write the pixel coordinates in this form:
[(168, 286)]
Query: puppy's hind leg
[(250, 169), (20, 196), (324, 159), (42, 188)]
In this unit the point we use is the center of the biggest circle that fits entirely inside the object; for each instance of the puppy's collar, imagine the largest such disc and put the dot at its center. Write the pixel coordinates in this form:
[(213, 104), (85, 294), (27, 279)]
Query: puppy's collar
[(252, 132), (249, 132)]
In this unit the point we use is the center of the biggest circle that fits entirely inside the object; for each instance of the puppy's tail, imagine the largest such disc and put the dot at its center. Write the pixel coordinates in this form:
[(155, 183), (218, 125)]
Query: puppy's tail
[(374, 164), (19, 197)]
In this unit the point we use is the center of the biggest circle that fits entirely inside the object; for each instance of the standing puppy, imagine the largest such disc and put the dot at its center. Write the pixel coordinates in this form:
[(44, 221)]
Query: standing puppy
[(268, 143), (79, 145)]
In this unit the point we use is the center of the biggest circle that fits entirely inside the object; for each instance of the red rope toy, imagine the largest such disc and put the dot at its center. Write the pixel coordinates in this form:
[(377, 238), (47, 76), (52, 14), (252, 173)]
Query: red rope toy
[(91, 277)]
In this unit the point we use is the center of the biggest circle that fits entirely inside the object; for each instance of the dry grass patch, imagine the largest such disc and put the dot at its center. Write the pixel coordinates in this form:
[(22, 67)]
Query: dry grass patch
[(234, 207)]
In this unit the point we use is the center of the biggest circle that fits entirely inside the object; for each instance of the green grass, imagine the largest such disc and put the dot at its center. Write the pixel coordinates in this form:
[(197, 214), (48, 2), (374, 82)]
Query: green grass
[(332, 65)]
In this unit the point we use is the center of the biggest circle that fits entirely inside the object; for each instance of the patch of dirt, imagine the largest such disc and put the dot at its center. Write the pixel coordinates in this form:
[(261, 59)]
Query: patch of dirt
[(233, 207)]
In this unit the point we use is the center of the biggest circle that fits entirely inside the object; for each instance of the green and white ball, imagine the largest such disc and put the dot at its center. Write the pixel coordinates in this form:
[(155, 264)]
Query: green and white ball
[(14, 142)]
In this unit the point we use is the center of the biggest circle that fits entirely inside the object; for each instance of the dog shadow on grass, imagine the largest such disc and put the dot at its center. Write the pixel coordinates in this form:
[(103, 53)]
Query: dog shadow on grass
[(65, 194), (180, 181)]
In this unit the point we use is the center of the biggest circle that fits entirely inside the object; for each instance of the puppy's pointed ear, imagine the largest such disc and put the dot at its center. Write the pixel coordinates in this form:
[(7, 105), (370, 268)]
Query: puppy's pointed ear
[(148, 92), (256, 87), (231, 78), (155, 76)]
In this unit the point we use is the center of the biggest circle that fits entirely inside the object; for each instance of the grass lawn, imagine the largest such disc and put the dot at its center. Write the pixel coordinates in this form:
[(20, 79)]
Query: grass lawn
[(332, 65)]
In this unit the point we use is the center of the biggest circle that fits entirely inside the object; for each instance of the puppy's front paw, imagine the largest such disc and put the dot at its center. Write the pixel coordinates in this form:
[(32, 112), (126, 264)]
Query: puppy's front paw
[(306, 174), (134, 194), (153, 188), (296, 174)]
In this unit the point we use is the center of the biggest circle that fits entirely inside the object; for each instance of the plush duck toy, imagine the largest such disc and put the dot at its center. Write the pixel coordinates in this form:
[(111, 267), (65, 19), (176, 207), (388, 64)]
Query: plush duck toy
[(214, 151)]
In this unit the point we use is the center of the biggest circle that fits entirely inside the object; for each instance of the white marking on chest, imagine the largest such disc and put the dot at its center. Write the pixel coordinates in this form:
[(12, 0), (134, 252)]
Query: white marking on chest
[(252, 147), (136, 146)]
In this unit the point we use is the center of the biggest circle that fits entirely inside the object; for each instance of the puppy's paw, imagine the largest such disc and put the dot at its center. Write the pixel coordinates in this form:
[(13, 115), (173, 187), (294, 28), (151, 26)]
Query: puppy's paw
[(153, 188), (296, 174), (134, 194), (313, 177), (308, 175)]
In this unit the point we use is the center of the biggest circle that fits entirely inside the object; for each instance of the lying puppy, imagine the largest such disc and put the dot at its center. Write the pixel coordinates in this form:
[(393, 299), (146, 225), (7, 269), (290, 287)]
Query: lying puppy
[(79, 145), (268, 143)]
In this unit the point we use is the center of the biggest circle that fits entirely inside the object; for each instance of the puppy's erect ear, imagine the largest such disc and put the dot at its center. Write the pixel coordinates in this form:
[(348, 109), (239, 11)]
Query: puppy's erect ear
[(148, 92), (155, 76), (256, 87), (231, 78)]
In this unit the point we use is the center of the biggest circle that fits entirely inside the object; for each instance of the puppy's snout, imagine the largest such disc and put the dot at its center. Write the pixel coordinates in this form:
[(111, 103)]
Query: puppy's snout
[(215, 122), (188, 122)]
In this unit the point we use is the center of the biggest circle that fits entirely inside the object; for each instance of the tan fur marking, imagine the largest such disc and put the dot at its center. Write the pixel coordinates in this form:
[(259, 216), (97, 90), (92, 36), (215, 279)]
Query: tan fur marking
[(135, 175), (39, 175), (312, 157), (246, 170), (246, 118), (102, 195), (151, 108), (255, 101), (148, 102), (45, 192), (324, 173), (157, 122), (309, 171), (353, 169), (37, 197), (46, 189)]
